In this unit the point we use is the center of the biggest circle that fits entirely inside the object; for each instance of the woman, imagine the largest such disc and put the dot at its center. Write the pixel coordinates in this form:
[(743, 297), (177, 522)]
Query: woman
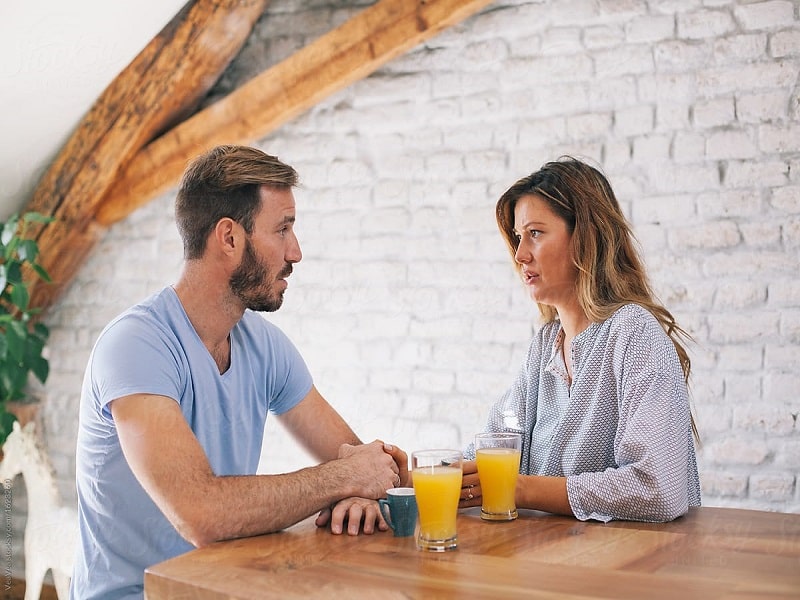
[(601, 401)]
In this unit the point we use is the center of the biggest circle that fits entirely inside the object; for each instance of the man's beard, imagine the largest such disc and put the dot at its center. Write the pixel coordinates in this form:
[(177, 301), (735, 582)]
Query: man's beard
[(252, 282)]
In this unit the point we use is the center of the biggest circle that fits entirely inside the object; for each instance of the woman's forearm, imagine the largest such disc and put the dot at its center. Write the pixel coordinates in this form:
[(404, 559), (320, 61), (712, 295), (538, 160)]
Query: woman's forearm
[(545, 493)]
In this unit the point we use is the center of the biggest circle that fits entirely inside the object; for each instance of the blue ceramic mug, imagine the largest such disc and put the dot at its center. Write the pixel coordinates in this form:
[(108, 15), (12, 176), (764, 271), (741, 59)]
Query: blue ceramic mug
[(401, 504)]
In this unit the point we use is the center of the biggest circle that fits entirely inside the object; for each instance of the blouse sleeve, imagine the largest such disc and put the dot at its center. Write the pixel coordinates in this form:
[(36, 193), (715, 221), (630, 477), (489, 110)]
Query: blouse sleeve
[(649, 481)]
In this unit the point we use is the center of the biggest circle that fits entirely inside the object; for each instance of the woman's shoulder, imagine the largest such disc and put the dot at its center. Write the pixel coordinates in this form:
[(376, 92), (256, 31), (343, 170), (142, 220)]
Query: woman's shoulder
[(633, 323), (633, 316)]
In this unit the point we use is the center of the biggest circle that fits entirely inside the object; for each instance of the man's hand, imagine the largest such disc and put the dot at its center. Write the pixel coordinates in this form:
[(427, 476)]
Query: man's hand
[(358, 513), (370, 468)]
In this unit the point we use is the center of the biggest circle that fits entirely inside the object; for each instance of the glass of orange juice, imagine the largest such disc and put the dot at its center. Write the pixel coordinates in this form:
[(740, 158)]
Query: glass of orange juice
[(437, 484), (497, 458)]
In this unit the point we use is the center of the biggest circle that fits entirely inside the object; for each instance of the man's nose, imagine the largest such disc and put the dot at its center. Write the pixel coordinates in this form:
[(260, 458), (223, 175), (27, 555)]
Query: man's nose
[(293, 252)]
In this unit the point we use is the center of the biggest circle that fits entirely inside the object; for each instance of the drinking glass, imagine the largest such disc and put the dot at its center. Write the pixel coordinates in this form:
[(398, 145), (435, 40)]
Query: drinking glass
[(437, 484), (497, 458)]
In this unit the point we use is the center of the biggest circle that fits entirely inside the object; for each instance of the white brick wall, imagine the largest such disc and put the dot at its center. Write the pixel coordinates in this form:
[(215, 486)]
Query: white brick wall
[(405, 305)]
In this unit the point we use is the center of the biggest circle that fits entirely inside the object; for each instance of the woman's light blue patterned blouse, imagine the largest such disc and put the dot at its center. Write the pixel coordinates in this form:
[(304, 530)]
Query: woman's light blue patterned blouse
[(621, 433)]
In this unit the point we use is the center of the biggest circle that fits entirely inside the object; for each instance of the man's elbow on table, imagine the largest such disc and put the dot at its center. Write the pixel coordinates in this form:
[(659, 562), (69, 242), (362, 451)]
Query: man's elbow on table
[(197, 524)]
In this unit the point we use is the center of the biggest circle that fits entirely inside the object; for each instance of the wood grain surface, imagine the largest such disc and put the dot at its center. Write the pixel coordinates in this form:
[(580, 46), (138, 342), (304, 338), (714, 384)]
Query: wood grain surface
[(709, 553)]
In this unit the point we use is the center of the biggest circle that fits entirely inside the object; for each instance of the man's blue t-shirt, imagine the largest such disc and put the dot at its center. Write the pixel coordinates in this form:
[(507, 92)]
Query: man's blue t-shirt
[(153, 349)]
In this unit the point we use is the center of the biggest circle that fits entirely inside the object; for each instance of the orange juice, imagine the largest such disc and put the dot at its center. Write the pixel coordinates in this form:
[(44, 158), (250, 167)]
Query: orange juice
[(498, 469), (437, 490)]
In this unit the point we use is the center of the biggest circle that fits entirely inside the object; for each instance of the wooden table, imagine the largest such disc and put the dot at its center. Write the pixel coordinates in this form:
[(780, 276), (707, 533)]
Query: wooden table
[(709, 553)]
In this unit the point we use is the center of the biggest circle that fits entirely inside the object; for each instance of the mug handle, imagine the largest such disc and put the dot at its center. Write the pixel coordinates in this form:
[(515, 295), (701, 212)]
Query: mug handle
[(383, 503)]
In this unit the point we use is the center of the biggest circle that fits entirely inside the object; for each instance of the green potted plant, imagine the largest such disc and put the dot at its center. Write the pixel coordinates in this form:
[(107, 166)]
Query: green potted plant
[(22, 337)]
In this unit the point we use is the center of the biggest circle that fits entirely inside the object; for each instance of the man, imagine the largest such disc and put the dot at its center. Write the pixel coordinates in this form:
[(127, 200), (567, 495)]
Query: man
[(177, 389)]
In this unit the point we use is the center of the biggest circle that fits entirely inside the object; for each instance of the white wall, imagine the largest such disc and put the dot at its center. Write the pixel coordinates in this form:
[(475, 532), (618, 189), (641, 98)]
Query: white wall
[(405, 305)]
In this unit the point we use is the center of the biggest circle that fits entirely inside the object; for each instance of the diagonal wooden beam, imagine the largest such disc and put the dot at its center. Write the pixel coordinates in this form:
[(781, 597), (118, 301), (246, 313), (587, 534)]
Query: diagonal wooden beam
[(351, 52), (162, 85)]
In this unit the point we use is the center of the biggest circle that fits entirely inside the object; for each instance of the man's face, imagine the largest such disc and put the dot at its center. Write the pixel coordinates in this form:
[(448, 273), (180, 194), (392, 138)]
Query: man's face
[(270, 251)]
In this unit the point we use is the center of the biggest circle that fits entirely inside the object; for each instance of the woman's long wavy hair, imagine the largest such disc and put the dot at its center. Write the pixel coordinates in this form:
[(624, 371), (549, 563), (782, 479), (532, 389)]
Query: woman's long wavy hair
[(610, 270)]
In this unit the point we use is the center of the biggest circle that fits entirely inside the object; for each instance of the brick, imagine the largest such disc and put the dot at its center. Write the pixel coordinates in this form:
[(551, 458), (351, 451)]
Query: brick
[(556, 41), (788, 455), (489, 161), (730, 145), (742, 327), (574, 12), (743, 173), (701, 24), (618, 61), (649, 28), (712, 419), (535, 133), (664, 209), (794, 165), (484, 54), (772, 487), (588, 125), (764, 15), (613, 93), (761, 107), (784, 43), (672, 116), (786, 199), (617, 153), (676, 88), (723, 484), (782, 386), (635, 120), (738, 48), (603, 36), (559, 69), (780, 357), (721, 234), (775, 138), (678, 55), (513, 22), (761, 235), (747, 294), (473, 139), (733, 203), (737, 452), (772, 420), (432, 381), (728, 79), (390, 379), (713, 113), (791, 233)]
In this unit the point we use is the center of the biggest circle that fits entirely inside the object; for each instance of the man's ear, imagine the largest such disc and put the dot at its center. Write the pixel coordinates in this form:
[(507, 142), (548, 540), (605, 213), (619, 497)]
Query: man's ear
[(227, 236)]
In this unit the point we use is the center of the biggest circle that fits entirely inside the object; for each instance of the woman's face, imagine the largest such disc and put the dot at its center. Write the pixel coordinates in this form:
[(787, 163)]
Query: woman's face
[(545, 253)]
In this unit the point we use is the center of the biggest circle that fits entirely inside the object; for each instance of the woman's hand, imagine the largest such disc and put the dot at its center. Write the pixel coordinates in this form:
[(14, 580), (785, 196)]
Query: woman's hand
[(358, 514), (470, 486)]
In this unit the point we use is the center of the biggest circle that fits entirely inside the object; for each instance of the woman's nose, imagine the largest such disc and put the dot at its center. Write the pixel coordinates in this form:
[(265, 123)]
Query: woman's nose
[(522, 255)]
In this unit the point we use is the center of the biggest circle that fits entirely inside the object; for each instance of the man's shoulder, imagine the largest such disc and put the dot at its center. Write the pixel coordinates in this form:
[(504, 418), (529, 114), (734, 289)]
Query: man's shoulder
[(154, 313)]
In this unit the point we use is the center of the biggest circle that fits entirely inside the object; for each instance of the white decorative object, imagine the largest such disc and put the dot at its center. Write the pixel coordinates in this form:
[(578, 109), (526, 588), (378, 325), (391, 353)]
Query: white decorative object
[(51, 532)]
